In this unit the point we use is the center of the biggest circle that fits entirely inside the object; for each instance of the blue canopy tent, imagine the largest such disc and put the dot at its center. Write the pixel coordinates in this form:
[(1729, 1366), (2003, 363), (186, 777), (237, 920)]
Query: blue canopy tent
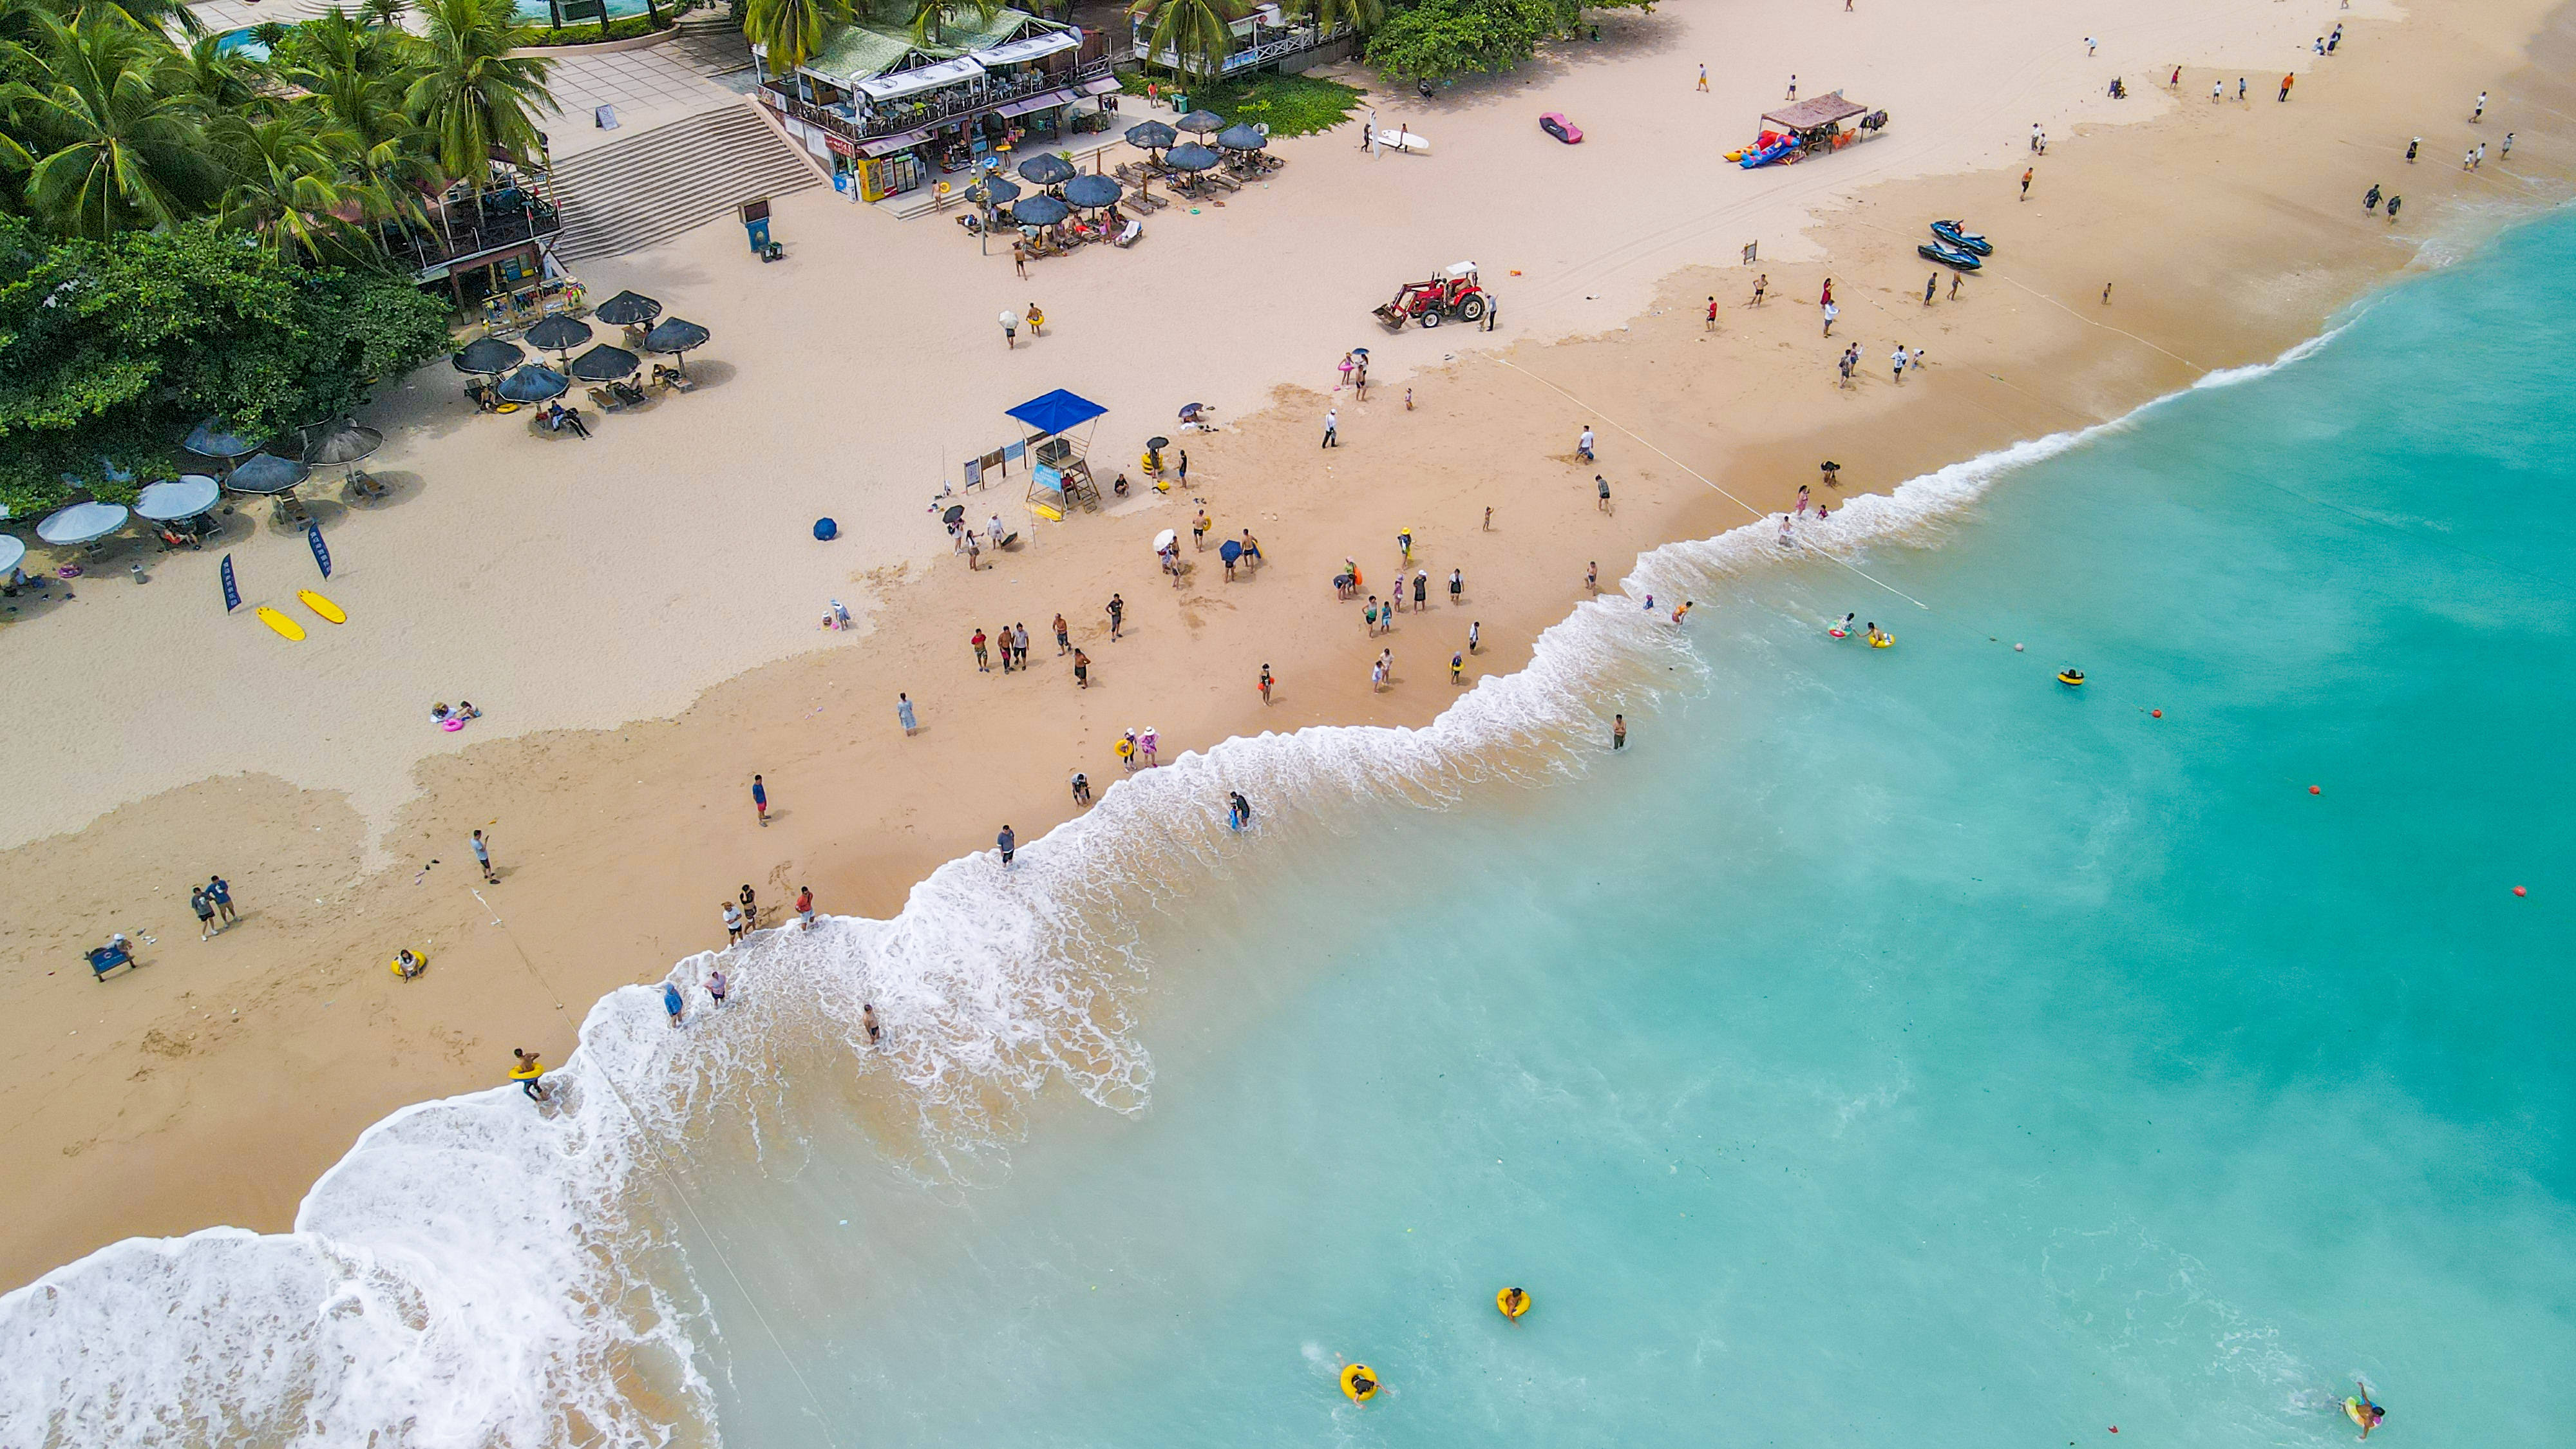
[(1057, 465)]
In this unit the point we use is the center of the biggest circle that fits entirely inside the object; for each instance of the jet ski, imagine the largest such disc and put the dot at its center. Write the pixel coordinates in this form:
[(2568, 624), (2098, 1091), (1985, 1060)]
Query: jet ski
[(1962, 238), (1948, 256)]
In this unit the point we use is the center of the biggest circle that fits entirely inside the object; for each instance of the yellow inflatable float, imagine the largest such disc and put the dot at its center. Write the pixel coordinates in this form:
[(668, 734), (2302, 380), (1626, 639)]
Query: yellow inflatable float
[(2071, 678), (408, 963), (1512, 1303), (1360, 1382)]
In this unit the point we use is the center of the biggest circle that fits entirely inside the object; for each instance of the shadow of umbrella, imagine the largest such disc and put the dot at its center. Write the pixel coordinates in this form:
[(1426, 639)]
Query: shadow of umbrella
[(1047, 169), (558, 334), (534, 383), (485, 356), (1093, 192), (605, 364), (628, 309), (677, 336)]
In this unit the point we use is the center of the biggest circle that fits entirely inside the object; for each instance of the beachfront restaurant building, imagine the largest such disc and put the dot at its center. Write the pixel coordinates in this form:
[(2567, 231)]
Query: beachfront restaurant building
[(889, 113), (1265, 37)]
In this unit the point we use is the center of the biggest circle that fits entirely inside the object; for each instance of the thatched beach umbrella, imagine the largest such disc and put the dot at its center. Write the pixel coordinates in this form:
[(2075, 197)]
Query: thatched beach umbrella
[(677, 336), (1151, 136), (1201, 123), (628, 309), (1240, 137), (211, 439), (1041, 211), (343, 442), (1191, 156), (1093, 192), (558, 334), (487, 357), (605, 364), (1047, 169), (995, 191), (534, 383), (266, 473)]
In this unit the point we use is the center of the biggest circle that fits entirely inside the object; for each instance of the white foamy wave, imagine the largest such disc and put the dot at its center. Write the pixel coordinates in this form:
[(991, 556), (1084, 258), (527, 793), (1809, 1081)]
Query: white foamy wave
[(478, 1272)]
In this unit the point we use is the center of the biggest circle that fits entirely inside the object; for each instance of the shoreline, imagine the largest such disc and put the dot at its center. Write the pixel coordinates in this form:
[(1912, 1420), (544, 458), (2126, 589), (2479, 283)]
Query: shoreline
[(2019, 359)]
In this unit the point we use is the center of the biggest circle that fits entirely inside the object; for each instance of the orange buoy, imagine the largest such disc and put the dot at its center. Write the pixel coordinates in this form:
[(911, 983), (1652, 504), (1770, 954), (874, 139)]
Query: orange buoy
[(2316, 789)]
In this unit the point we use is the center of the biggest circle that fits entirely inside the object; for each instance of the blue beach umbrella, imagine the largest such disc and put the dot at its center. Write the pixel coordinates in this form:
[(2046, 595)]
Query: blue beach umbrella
[(1041, 211), (1151, 136), (1093, 192), (267, 473), (1047, 169), (81, 523), (211, 439), (1240, 137), (996, 190), (534, 383), (1191, 157), (486, 356)]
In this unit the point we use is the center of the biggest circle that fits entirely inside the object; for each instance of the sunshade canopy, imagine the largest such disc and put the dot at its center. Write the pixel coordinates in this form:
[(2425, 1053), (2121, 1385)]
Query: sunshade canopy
[(485, 355), (1240, 137), (1046, 168), (12, 553), (998, 190), (1191, 157), (1824, 110), (533, 383), (266, 473), (1040, 210), (81, 523), (185, 497), (628, 309), (1200, 123), (1057, 411), (605, 364), (343, 442), (559, 333), (675, 334), (1091, 191), (1151, 136), (211, 439)]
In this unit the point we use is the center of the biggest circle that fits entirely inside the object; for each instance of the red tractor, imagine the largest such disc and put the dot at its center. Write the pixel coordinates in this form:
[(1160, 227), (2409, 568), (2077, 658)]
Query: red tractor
[(1453, 293)]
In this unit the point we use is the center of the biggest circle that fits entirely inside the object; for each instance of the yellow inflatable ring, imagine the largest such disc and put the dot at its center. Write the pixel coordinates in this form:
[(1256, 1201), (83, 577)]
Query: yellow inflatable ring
[(421, 957), (1360, 1382), (2070, 677), (1882, 641), (1512, 1302)]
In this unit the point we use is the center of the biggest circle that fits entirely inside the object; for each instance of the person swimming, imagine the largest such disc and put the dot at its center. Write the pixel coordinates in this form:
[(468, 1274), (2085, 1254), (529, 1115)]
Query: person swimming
[(2362, 1411), (1843, 629), (1878, 638)]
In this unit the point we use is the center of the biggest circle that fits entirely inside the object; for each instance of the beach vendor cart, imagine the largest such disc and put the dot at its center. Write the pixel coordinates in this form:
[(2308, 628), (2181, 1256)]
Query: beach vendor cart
[(1059, 473), (1809, 128)]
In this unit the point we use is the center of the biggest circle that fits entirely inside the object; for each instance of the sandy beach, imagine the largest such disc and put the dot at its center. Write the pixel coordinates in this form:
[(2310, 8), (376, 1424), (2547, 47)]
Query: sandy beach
[(637, 615)]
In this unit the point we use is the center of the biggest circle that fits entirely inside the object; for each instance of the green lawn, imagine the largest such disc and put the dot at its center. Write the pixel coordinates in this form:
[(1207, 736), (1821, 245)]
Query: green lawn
[(1291, 105)]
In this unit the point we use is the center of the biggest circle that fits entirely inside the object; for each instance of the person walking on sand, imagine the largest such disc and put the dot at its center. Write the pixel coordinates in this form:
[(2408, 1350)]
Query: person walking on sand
[(674, 1003), (2480, 112), (1712, 315), (2088, 47), (805, 907), (205, 910), (750, 908), (2106, 294), (1457, 586), (1458, 668), (1896, 360), (530, 1074), (1063, 637), (1793, 88), (220, 892), (2025, 181), (760, 799), (1583, 444), (1475, 633), (1421, 588), (2412, 147), (2507, 148), (1198, 531), (1010, 329), (1592, 579), (904, 716), (483, 857), (1831, 312), (1954, 286), (1081, 669), (2240, 90), (732, 921), (1117, 616), (1007, 843), (1020, 644), (2217, 91), (1931, 284), (716, 988), (1265, 684), (1332, 427), (1020, 258), (1761, 284), (2034, 138), (2287, 81), (1618, 732), (2393, 203), (2370, 199), (1703, 78), (1081, 789), (1604, 485)]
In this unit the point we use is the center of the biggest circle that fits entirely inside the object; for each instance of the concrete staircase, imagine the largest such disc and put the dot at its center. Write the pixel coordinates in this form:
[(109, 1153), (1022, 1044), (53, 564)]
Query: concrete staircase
[(659, 183)]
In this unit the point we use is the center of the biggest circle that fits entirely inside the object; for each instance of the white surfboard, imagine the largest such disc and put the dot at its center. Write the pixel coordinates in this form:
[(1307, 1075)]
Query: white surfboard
[(1404, 141)]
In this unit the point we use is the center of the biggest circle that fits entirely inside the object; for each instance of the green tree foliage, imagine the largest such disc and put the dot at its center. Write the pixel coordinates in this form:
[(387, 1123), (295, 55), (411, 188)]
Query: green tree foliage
[(112, 349), (1197, 33), (1436, 39), (471, 93), (790, 31), (931, 18)]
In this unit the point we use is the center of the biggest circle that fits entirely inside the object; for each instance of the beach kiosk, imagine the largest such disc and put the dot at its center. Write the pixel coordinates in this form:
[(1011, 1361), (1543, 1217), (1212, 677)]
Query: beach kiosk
[(1059, 476), (1811, 128)]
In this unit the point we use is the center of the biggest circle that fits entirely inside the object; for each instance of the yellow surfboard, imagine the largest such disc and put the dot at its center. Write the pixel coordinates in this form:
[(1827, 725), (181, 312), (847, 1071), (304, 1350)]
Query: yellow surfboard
[(1050, 514), (280, 623), (323, 606)]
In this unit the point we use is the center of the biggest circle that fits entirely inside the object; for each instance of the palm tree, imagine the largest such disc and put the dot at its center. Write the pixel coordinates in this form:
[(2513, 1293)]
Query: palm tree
[(790, 31), (930, 18), (383, 14), (355, 72), (1196, 33), (219, 80), (114, 127), (286, 168), (472, 95), (1363, 16)]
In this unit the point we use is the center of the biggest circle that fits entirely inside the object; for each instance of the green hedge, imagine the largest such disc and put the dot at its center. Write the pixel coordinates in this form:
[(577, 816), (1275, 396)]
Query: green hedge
[(624, 29), (1290, 105)]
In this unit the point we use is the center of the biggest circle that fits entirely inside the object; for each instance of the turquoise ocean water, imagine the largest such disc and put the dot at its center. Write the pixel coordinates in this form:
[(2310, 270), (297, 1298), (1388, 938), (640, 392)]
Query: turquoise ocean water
[(1889, 1046)]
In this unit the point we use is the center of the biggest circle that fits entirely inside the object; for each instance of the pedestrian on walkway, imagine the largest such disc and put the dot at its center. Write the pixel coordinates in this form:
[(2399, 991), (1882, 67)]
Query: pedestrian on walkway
[(760, 799)]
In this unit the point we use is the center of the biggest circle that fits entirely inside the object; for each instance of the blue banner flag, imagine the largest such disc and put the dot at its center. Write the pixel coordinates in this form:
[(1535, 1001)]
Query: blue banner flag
[(321, 550), (232, 591)]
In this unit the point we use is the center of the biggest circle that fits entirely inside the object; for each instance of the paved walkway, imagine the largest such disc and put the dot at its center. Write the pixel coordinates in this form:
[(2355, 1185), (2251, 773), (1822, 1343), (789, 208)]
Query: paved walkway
[(646, 88)]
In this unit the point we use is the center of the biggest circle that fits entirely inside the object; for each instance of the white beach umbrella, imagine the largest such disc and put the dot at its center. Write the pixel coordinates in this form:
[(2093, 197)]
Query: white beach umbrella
[(1166, 539)]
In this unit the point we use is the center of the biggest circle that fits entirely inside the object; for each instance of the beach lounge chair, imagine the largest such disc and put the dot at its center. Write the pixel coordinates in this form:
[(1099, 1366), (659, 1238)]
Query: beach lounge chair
[(1135, 231), (364, 484), (1220, 179)]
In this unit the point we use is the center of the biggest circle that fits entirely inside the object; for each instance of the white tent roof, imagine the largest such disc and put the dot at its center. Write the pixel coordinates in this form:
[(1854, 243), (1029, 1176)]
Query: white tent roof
[(920, 78), (1013, 52)]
